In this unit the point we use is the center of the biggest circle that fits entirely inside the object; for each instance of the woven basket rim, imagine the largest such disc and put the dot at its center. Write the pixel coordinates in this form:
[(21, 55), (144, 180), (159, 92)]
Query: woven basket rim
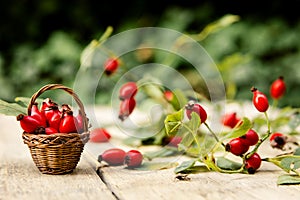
[(39, 139)]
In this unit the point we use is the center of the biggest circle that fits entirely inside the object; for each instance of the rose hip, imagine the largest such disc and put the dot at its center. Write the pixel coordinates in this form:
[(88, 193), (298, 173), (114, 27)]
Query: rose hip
[(28, 123), (99, 135), (133, 158), (230, 120), (114, 156), (250, 138), (236, 147), (53, 116), (128, 90), (197, 108), (259, 100), (278, 140), (38, 115), (110, 66), (68, 123), (50, 130), (126, 108), (278, 88), (253, 163)]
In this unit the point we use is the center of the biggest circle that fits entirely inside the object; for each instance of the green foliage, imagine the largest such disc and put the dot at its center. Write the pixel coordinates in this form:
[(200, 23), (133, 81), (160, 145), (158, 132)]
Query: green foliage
[(227, 164), (238, 131), (11, 109), (245, 52), (55, 62)]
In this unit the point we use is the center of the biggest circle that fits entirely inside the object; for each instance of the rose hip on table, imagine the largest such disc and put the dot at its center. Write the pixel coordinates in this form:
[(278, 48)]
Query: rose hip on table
[(133, 158), (113, 156)]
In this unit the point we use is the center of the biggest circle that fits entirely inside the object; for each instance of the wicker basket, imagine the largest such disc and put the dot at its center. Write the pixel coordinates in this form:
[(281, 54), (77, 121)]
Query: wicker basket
[(56, 153)]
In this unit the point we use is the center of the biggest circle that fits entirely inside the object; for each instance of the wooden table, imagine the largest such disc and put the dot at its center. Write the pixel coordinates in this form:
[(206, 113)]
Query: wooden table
[(20, 179)]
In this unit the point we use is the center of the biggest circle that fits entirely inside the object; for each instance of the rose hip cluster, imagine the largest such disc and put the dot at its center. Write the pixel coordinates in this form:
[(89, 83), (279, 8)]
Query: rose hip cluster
[(51, 119), (128, 103), (239, 146), (116, 156)]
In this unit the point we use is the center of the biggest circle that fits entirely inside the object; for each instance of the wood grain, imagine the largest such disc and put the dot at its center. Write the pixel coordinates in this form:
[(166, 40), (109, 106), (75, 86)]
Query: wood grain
[(20, 179)]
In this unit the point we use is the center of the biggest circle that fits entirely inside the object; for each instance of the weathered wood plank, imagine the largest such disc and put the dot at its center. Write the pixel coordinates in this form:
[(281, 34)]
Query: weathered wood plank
[(162, 184), (20, 179)]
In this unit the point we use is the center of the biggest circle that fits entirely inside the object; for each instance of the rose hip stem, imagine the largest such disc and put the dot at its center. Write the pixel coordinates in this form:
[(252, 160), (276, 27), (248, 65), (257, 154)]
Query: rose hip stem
[(266, 136), (214, 135)]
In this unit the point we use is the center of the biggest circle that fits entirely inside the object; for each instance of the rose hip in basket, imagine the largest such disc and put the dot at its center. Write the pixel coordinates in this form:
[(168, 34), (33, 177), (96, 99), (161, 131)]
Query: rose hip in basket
[(54, 135)]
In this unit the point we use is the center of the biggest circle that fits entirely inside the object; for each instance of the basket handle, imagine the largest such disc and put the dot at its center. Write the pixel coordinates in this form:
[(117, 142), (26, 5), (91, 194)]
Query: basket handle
[(66, 89)]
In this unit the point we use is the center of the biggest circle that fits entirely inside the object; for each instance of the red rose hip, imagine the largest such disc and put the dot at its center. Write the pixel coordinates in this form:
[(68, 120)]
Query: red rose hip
[(133, 158), (259, 100), (128, 90), (230, 120), (99, 135), (38, 115), (50, 130), (236, 147), (197, 108), (278, 88), (278, 140), (126, 108), (110, 66), (250, 138), (68, 123), (28, 123), (253, 163), (114, 156)]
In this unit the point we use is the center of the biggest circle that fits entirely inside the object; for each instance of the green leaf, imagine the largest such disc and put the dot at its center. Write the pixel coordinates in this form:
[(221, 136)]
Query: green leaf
[(86, 56), (150, 166), (290, 163), (288, 180), (297, 152), (286, 162), (294, 121), (173, 122), (225, 163), (191, 128), (194, 123), (11, 109), (162, 152), (240, 130), (196, 169), (24, 101), (179, 99), (186, 142), (184, 166)]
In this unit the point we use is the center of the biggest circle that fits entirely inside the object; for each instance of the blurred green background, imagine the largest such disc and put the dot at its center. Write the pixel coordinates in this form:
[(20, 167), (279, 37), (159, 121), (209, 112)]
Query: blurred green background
[(41, 41)]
